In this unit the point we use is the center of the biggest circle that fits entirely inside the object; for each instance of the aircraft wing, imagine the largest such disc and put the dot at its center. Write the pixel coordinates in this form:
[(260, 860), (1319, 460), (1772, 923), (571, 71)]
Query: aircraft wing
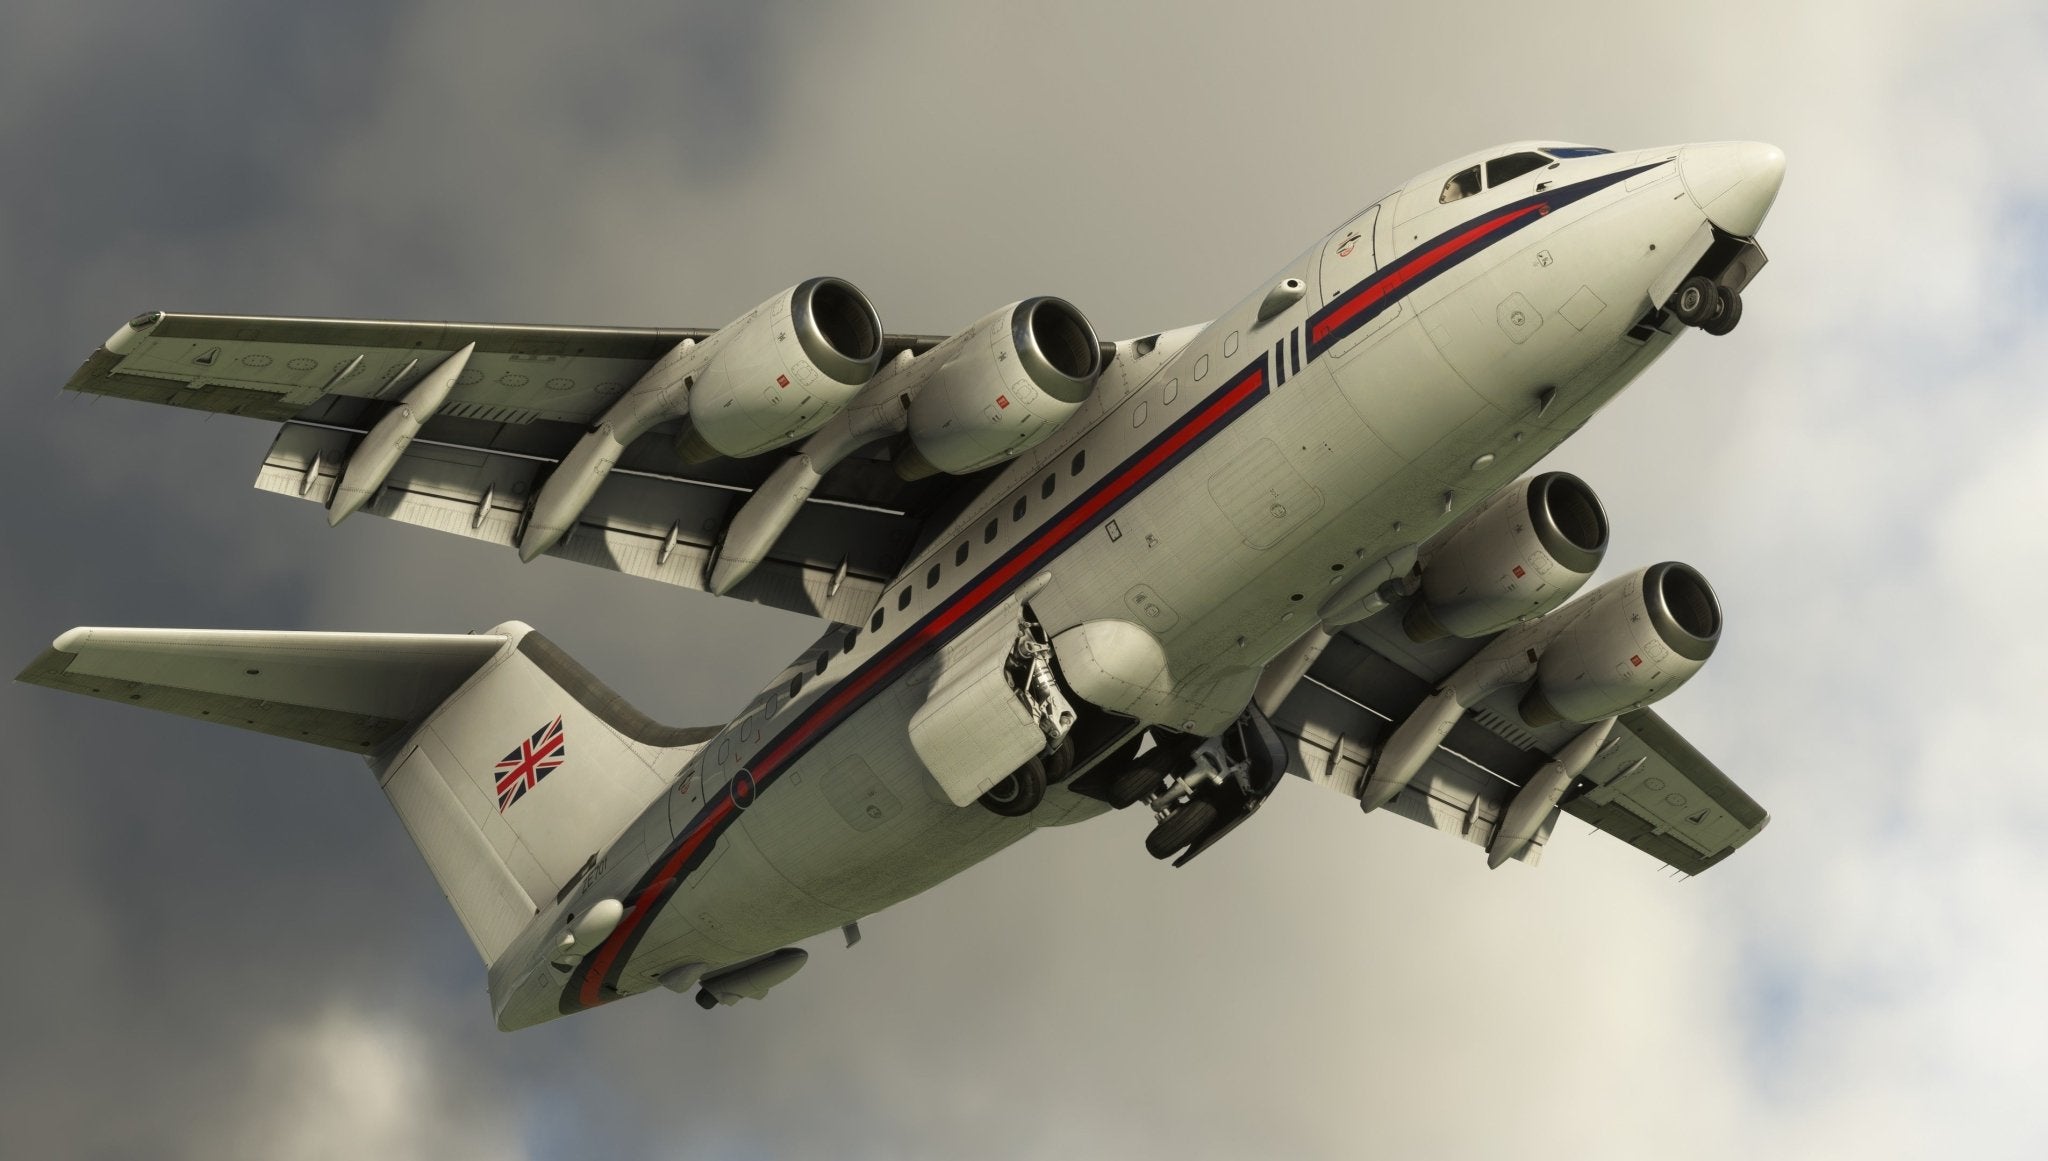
[(1647, 786), (526, 395)]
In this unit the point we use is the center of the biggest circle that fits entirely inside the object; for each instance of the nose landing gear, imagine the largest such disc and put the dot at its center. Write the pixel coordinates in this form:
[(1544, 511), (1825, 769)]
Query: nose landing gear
[(1713, 308)]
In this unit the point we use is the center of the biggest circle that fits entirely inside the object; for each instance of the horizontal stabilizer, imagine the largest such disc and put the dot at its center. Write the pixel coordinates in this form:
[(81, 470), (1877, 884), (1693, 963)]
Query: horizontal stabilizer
[(350, 691)]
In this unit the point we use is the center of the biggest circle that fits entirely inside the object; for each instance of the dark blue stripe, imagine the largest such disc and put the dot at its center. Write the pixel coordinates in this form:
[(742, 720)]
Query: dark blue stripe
[(1414, 275)]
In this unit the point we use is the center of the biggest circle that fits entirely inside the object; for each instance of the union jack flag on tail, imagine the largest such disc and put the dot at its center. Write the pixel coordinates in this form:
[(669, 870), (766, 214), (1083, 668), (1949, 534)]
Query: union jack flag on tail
[(533, 759)]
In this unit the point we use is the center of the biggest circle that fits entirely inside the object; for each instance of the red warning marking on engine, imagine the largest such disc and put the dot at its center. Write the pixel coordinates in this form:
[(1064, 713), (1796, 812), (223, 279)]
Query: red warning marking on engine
[(1002, 401), (782, 380), (1636, 661), (1519, 574)]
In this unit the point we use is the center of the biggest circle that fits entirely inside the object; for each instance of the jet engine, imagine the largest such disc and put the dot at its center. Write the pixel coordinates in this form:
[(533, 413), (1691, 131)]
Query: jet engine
[(999, 388), (782, 370), (1624, 645), (1522, 553)]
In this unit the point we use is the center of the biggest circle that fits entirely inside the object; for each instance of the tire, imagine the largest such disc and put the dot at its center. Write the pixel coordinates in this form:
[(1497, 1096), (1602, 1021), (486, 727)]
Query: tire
[(1696, 301), (1725, 319), (1182, 827), (1059, 765), (1019, 794), (1141, 777)]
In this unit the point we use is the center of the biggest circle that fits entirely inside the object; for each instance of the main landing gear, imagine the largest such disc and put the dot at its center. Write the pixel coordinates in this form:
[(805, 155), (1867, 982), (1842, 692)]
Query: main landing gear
[(1030, 673), (1020, 793), (1703, 303), (1201, 788)]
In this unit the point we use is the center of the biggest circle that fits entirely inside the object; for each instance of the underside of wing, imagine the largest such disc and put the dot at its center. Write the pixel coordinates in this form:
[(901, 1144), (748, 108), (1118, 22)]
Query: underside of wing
[(523, 398), (1644, 784), (658, 525)]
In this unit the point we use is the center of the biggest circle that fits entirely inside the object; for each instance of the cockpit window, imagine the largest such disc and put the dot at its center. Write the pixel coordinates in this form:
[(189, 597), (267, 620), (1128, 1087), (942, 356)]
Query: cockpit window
[(1461, 185), (1502, 170), (1567, 153)]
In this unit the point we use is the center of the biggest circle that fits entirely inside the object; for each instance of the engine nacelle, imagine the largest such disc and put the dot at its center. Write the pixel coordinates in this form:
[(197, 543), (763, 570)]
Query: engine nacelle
[(999, 388), (1624, 645), (1522, 553), (782, 370)]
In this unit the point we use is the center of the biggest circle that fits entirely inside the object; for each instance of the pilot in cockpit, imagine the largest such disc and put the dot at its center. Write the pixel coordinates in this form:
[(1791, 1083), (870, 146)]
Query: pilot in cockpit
[(1461, 185)]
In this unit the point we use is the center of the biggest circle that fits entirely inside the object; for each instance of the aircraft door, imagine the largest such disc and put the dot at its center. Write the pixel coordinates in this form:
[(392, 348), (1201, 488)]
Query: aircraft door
[(1348, 256)]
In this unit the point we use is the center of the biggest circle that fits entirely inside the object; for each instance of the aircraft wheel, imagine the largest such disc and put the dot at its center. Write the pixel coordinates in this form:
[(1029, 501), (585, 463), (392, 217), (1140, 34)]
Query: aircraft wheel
[(1141, 777), (1696, 301), (1182, 827), (1020, 793), (1060, 763), (1724, 320)]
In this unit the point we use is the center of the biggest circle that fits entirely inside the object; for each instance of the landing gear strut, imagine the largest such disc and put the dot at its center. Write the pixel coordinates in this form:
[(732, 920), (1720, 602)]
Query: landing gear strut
[(1029, 669), (1215, 784)]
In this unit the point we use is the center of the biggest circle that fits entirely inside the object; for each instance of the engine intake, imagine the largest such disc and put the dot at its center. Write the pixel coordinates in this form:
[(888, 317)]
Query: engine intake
[(1519, 555), (1628, 643), (782, 370), (999, 388)]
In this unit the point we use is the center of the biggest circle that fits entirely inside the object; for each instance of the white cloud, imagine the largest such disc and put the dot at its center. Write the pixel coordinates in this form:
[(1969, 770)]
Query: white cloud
[(349, 1083)]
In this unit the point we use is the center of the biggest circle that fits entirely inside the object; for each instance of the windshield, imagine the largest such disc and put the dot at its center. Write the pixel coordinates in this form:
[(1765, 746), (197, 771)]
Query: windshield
[(1571, 151), (1505, 169)]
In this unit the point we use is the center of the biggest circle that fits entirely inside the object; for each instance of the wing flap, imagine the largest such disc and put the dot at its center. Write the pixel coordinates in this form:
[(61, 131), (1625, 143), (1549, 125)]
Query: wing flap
[(832, 563), (1331, 738)]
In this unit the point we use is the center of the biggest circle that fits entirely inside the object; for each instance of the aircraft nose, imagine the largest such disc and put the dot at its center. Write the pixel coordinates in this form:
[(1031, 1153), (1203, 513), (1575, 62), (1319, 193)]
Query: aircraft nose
[(1734, 182)]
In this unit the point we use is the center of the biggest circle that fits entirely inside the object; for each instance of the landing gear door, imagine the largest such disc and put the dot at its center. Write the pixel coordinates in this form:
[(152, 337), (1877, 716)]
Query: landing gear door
[(1348, 256)]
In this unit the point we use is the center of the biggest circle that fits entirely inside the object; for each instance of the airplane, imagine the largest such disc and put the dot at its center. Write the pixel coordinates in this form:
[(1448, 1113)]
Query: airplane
[(1062, 576)]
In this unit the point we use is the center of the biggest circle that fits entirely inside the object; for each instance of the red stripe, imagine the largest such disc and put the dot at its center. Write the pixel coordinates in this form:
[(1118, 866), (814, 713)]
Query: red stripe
[(590, 993), (1406, 272)]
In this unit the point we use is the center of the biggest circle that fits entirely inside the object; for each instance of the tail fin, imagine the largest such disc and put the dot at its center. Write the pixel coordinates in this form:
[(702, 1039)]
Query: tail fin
[(510, 765)]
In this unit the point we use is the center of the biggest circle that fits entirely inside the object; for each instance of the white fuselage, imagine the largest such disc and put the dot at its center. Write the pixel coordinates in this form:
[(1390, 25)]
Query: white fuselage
[(1213, 493)]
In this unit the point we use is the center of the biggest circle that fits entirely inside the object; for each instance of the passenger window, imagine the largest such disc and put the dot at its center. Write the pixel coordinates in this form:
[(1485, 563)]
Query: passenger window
[(1080, 461), (1230, 344), (853, 635), (931, 579), (1461, 185), (960, 553), (988, 535), (1017, 511), (875, 622), (821, 661), (1171, 393), (1502, 170), (903, 599), (1045, 489), (1201, 368), (796, 686)]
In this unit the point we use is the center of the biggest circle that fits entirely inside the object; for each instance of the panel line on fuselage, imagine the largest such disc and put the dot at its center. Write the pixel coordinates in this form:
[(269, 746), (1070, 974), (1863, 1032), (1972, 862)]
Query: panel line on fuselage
[(594, 980)]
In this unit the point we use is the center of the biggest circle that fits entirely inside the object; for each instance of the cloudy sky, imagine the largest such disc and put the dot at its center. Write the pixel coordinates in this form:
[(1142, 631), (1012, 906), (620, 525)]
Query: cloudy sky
[(226, 947)]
